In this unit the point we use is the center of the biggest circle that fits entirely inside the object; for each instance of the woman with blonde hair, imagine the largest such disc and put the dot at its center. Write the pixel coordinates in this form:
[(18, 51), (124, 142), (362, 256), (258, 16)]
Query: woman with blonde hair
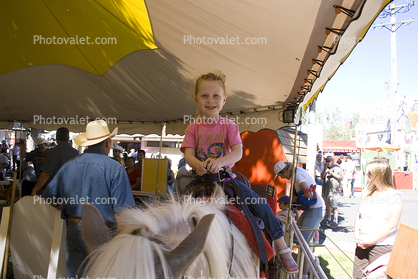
[(378, 216)]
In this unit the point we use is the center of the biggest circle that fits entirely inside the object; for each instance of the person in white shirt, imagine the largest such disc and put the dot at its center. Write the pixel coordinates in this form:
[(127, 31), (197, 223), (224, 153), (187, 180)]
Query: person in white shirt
[(348, 168), (378, 216)]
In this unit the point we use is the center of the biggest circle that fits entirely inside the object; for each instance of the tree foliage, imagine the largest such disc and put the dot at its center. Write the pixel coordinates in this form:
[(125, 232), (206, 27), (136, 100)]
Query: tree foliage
[(336, 124)]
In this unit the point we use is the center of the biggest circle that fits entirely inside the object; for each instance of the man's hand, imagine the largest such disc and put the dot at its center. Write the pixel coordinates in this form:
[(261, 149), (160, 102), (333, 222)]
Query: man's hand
[(40, 159)]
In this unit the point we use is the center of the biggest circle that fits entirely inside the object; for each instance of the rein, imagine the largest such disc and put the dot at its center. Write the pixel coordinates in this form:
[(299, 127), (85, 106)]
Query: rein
[(153, 239)]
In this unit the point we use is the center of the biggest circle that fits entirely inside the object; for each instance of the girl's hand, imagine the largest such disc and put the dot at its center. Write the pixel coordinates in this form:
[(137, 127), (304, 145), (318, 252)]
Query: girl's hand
[(213, 165), (201, 169)]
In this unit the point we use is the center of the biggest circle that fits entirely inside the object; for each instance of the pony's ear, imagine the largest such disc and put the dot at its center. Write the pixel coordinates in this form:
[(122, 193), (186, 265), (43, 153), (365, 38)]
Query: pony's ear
[(190, 247), (93, 227)]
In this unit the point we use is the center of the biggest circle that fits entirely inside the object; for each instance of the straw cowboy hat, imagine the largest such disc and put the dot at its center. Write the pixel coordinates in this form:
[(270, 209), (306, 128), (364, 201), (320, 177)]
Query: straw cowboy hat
[(96, 131)]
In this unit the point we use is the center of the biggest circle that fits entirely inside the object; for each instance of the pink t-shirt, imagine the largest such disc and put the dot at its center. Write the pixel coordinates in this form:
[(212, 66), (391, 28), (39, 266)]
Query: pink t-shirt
[(211, 139)]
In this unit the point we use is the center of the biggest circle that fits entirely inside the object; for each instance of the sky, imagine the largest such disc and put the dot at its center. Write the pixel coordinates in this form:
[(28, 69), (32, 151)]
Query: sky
[(360, 80)]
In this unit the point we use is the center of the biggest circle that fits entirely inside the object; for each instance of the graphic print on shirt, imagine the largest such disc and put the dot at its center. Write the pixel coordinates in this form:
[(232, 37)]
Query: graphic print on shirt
[(215, 147)]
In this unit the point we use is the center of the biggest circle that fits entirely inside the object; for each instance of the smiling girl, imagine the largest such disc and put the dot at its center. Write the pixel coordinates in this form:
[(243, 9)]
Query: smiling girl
[(212, 142)]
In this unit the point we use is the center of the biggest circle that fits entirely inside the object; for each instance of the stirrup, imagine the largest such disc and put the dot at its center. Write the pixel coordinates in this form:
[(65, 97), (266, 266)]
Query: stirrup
[(286, 264)]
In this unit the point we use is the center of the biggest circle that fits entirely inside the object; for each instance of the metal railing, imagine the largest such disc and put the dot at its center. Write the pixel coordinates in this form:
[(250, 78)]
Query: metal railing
[(305, 253)]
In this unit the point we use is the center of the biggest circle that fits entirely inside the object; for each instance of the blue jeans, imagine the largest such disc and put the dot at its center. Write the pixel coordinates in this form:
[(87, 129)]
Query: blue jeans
[(263, 210), (310, 219), (76, 250)]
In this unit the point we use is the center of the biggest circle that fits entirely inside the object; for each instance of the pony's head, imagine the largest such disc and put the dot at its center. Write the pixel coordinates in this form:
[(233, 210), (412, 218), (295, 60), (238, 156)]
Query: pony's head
[(189, 237)]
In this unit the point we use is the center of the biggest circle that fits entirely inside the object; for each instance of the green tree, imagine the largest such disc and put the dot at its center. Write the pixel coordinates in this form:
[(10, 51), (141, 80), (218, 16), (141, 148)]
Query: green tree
[(337, 125)]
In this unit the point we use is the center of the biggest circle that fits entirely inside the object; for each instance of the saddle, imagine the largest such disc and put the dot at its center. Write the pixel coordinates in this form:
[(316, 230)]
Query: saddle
[(239, 212)]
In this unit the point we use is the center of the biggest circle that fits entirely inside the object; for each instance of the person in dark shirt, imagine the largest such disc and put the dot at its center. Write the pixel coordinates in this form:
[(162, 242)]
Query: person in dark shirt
[(55, 159)]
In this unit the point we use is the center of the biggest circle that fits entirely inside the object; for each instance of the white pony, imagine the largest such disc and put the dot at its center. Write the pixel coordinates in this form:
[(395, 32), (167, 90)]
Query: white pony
[(164, 242)]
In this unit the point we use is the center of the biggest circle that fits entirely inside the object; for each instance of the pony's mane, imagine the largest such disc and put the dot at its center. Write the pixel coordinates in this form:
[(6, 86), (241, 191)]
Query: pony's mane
[(133, 253)]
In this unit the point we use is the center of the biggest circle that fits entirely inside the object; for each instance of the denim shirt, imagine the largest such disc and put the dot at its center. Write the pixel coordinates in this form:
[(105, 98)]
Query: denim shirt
[(92, 178)]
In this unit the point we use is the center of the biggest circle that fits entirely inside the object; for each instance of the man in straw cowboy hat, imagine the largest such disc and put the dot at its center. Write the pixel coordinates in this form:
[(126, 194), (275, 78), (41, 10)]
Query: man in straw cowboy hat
[(93, 178)]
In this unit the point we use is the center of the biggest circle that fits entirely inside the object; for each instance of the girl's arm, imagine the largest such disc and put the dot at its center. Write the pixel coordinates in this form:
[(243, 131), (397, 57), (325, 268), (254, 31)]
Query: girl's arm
[(395, 211), (214, 165), (189, 154)]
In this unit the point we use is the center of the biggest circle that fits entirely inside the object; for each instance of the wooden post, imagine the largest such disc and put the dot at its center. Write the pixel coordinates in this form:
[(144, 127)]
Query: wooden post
[(403, 262), (6, 250)]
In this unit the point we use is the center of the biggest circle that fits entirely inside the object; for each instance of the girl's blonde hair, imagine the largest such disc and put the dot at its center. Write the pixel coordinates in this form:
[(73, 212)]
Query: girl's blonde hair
[(380, 176), (215, 76)]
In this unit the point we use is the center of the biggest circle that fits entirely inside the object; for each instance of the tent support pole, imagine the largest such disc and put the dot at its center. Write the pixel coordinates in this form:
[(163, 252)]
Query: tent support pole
[(159, 157), (294, 162)]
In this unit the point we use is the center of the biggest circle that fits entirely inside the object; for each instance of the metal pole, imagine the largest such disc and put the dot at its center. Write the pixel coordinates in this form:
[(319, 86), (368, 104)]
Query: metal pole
[(9, 229), (22, 152), (289, 220), (392, 10), (159, 158), (394, 82), (313, 140)]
